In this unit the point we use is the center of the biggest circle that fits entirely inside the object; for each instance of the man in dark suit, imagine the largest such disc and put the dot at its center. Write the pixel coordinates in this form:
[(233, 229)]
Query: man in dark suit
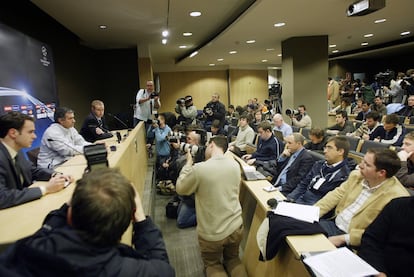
[(94, 127), (293, 164), (17, 131)]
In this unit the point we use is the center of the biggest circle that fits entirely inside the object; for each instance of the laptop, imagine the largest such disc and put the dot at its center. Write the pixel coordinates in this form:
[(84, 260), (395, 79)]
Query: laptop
[(252, 174), (278, 134)]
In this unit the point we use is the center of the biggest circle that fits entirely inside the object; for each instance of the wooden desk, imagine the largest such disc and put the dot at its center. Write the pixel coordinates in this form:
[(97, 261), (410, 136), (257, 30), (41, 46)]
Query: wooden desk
[(287, 262), (130, 156)]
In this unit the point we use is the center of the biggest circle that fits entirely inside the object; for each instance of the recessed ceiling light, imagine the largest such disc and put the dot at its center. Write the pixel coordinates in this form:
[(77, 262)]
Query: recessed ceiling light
[(195, 14), (380, 20), (335, 51), (165, 33), (250, 41), (263, 61), (232, 52), (187, 34), (164, 41), (270, 49), (332, 45), (212, 64), (405, 33), (193, 54), (279, 55), (182, 46), (364, 44), (368, 35), (103, 27), (220, 60), (280, 24)]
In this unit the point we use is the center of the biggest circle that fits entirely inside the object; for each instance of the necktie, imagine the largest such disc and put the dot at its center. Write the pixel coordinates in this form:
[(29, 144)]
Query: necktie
[(99, 122), (18, 171), (282, 175)]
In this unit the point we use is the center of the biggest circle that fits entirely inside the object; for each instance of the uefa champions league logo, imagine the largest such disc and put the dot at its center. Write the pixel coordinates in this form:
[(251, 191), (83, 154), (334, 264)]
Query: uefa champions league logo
[(44, 59)]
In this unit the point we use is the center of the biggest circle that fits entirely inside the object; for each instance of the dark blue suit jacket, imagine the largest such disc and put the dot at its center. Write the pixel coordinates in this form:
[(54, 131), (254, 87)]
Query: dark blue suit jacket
[(88, 130), (12, 191)]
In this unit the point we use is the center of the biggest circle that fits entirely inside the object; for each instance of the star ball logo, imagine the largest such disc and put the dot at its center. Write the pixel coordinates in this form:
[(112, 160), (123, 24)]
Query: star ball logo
[(44, 59)]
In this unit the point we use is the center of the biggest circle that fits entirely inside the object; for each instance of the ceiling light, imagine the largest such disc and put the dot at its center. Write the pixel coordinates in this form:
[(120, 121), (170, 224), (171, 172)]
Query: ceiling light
[(263, 61), (182, 46), (212, 64), (368, 35), (279, 55), (332, 45), (270, 49), (102, 27), (405, 33), (187, 34), (280, 24), (364, 44), (335, 51), (164, 41), (380, 20), (232, 52), (165, 33), (195, 14), (220, 60), (193, 54), (250, 41)]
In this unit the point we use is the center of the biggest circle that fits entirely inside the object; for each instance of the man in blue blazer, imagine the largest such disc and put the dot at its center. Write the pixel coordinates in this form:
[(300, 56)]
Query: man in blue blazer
[(17, 131), (293, 164)]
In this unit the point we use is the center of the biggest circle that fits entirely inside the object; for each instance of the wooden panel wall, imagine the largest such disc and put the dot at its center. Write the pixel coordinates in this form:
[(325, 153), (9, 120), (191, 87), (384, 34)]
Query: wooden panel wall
[(199, 84), (243, 84), (246, 84)]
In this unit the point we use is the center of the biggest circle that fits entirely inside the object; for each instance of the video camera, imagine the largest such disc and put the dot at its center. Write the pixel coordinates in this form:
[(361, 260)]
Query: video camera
[(384, 78), (185, 100), (291, 112)]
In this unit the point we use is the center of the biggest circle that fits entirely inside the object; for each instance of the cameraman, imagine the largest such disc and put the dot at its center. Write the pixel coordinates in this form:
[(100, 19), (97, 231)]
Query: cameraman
[(214, 110), (186, 110), (301, 120), (147, 102)]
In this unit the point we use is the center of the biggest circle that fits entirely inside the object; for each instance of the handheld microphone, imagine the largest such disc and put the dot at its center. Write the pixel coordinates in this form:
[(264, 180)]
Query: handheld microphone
[(68, 145), (117, 119)]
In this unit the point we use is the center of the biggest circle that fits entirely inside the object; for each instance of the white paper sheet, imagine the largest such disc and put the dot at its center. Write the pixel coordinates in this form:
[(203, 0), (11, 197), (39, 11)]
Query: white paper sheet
[(302, 212)]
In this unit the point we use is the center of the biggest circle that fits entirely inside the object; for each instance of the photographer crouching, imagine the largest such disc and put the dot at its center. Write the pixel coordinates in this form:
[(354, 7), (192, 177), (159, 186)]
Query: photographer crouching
[(186, 110)]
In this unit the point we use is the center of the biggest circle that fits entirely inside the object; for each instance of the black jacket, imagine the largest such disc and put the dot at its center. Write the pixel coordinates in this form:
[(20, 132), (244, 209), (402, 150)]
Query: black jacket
[(88, 130), (58, 250)]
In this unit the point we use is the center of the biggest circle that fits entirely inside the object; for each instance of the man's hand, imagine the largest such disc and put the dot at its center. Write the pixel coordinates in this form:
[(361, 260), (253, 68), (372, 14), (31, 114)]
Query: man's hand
[(175, 145), (246, 157), (189, 158), (404, 155), (338, 240), (99, 131), (251, 161), (286, 153), (139, 211)]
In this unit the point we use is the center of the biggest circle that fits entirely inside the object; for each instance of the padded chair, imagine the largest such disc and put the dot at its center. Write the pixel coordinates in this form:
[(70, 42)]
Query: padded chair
[(355, 143), (401, 119), (305, 132), (234, 121), (316, 155), (296, 129), (32, 155), (372, 144)]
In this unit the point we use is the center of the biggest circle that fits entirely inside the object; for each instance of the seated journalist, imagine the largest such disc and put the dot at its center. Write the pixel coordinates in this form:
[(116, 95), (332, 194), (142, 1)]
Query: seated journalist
[(82, 238), (17, 131)]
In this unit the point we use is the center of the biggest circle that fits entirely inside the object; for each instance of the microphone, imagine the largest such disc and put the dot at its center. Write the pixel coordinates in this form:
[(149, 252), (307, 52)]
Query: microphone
[(68, 145), (117, 119), (101, 127), (272, 202)]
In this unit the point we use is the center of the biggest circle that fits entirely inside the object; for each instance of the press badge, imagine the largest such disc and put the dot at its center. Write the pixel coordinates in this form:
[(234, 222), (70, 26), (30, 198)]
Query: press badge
[(319, 183)]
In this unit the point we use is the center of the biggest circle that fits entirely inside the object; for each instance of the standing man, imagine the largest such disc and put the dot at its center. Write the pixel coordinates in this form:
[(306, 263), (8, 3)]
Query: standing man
[(94, 127), (219, 220), (17, 131), (281, 125), (333, 92), (302, 120), (60, 141), (147, 101), (214, 110), (359, 200)]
